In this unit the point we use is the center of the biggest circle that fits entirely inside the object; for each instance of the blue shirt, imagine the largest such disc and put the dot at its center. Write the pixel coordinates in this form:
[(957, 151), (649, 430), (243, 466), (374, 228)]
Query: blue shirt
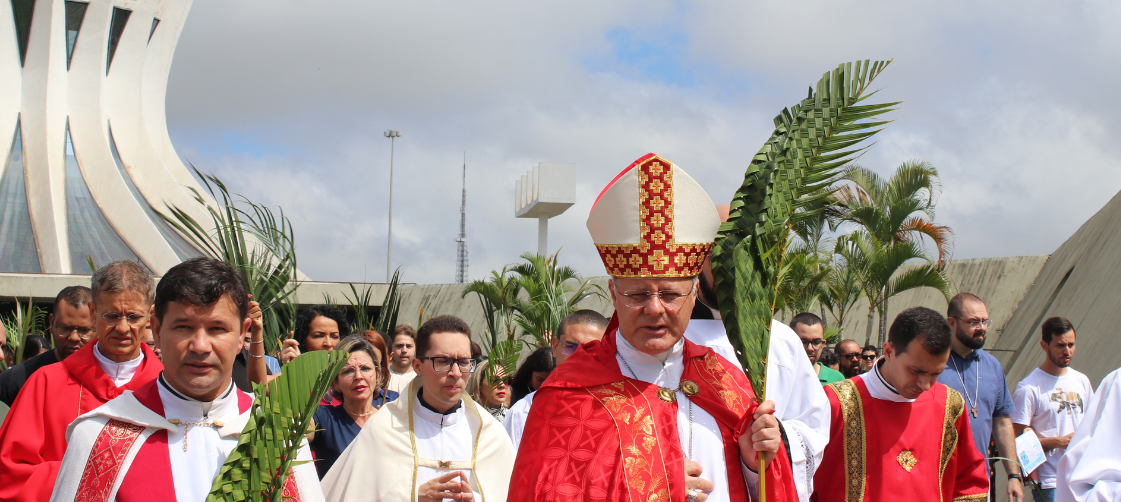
[(335, 430), (989, 395)]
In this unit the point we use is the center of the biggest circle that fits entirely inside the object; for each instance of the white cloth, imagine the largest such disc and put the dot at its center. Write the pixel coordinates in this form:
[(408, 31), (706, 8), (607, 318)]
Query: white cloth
[(800, 402), (399, 382), (1090, 471), (516, 417), (707, 442), (192, 471), (382, 464), (119, 373), (1052, 406), (878, 388)]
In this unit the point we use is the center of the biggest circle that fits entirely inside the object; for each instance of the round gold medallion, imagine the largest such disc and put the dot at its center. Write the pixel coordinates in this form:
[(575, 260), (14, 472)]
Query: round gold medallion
[(690, 388), (667, 395)]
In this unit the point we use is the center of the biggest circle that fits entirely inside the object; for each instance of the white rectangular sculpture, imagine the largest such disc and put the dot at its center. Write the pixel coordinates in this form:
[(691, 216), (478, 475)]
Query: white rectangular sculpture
[(545, 191)]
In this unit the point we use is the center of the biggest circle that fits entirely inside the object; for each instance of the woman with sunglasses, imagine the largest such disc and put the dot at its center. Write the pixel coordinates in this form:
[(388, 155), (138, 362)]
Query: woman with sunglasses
[(494, 397)]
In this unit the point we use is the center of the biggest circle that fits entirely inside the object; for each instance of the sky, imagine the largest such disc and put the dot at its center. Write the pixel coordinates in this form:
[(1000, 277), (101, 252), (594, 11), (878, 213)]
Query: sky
[(287, 103)]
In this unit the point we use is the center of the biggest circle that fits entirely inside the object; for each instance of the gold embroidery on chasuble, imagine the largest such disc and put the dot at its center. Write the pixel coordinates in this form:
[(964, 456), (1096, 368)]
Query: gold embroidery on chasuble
[(853, 439), (906, 460), (632, 413), (106, 460), (954, 408), (971, 498), (730, 391), (657, 254)]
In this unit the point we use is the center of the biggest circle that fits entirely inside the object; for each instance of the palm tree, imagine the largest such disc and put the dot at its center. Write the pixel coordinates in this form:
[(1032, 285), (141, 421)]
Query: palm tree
[(551, 294), (883, 272), (498, 296), (801, 283), (841, 289), (899, 209)]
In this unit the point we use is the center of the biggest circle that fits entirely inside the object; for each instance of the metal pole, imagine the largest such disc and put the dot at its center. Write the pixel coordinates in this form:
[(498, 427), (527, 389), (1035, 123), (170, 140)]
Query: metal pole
[(543, 235), (392, 135)]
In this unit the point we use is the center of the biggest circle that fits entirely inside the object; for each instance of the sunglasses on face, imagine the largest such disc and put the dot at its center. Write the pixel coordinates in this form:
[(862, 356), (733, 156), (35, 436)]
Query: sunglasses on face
[(870, 357)]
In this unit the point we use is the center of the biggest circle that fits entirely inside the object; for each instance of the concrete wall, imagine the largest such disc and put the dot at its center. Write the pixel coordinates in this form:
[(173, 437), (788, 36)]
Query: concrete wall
[(1001, 282)]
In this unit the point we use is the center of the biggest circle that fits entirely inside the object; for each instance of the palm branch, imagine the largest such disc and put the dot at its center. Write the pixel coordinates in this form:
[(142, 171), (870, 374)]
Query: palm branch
[(502, 361), (262, 460), (390, 306), (785, 184)]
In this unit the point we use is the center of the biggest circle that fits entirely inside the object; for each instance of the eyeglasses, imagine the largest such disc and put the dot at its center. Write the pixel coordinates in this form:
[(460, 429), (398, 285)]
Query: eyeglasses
[(670, 299), (133, 319), (349, 372), (569, 348), (444, 364), (816, 343), (854, 355), (83, 332), (870, 357), (976, 324)]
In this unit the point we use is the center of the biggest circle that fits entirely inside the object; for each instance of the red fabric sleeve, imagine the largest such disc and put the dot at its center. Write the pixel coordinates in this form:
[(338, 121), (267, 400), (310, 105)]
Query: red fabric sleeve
[(32, 440), (972, 476)]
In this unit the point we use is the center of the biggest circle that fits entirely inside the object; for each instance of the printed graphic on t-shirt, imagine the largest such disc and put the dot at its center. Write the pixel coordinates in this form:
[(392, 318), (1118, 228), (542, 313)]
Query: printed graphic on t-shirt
[(1070, 402)]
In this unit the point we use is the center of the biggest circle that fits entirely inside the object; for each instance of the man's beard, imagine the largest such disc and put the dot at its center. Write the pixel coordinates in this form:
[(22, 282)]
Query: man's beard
[(1058, 362), (966, 338)]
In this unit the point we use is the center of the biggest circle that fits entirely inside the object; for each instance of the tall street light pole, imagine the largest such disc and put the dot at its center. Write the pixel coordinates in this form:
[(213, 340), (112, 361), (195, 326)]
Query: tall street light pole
[(392, 135)]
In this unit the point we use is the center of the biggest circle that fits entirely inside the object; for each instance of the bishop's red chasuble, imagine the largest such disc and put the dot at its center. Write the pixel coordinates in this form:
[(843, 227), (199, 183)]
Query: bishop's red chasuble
[(882, 450), (593, 434), (33, 436)]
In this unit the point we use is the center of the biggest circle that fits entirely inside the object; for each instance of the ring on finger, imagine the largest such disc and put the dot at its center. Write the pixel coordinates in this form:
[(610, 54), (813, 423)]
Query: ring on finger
[(691, 495)]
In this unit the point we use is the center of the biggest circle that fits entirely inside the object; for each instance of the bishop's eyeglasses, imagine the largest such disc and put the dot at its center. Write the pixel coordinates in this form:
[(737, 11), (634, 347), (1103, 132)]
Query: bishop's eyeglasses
[(444, 364), (670, 299)]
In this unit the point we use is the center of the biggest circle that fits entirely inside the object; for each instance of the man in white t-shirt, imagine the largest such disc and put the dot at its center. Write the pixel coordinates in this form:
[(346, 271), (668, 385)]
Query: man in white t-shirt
[(401, 355), (1052, 400)]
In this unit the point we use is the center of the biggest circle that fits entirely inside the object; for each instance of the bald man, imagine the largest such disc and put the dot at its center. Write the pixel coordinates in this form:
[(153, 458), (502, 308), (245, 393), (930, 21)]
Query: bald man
[(848, 351)]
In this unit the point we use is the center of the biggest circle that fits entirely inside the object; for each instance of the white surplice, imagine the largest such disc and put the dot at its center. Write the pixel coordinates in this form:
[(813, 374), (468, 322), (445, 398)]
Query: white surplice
[(800, 402), (1090, 470), (701, 429), (514, 423)]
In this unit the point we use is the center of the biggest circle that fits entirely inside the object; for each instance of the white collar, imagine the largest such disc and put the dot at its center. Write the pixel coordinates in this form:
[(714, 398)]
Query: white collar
[(177, 405), (437, 418), (119, 373), (664, 369), (880, 389)]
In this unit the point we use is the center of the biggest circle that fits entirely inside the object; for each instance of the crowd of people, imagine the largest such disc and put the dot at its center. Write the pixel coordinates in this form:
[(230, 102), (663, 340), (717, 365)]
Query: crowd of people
[(148, 387)]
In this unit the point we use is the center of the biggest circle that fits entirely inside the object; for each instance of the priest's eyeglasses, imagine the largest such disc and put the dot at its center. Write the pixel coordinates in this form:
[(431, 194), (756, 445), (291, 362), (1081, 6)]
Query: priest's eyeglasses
[(444, 364), (975, 323), (816, 343), (670, 299), (133, 319)]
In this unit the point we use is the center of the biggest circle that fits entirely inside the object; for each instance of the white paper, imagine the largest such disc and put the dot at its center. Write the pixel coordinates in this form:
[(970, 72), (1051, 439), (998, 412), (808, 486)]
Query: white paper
[(1030, 451)]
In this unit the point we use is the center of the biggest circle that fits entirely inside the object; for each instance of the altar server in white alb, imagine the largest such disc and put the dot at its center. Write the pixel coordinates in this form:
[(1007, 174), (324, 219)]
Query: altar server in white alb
[(1090, 471), (168, 440), (800, 402), (432, 443)]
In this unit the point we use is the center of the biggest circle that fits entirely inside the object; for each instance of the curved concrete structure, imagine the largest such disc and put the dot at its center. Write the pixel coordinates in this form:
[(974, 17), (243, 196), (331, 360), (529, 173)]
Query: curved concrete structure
[(83, 131)]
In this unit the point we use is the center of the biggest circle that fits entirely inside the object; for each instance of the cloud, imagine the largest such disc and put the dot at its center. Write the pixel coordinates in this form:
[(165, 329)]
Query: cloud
[(287, 102)]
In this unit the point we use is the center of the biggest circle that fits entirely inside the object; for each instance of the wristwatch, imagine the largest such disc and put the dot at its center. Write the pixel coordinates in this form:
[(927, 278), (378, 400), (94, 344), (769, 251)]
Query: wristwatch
[(1015, 476)]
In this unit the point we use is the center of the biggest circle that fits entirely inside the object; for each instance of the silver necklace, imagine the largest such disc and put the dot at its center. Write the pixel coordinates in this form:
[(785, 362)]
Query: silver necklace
[(976, 391), (674, 391)]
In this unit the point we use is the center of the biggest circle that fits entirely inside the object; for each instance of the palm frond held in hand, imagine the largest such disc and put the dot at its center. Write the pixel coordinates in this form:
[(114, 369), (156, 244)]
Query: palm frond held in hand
[(784, 184)]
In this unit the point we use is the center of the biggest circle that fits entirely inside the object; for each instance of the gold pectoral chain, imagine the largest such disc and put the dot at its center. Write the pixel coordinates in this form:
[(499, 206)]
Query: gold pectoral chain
[(187, 426)]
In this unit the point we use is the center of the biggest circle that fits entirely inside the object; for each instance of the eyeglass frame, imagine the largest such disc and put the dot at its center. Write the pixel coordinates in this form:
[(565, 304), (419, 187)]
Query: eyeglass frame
[(975, 324), (672, 305), (815, 343), (868, 357), (473, 361), (135, 322), (65, 333)]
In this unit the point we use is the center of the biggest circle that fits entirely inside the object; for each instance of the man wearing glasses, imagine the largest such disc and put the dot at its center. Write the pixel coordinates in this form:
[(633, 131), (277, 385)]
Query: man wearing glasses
[(979, 378), (432, 443), (811, 331), (868, 356), (848, 351), (33, 436), (576, 329), (644, 413), (71, 326)]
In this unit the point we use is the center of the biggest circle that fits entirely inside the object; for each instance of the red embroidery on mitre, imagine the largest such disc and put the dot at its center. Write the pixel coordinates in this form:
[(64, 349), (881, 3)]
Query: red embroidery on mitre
[(657, 254), (106, 459)]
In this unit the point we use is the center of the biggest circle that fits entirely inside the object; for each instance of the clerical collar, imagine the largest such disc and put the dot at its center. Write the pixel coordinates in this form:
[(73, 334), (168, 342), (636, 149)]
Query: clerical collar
[(436, 416), (880, 389), (119, 373), (178, 405), (663, 369)]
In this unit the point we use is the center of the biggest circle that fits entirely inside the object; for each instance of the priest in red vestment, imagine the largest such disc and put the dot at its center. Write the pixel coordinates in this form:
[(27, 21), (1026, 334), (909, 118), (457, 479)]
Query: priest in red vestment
[(32, 438), (898, 434), (644, 414), (168, 439)]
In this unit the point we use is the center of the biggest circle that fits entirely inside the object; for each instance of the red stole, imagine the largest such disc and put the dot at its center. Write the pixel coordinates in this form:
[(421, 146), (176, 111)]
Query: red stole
[(917, 451), (33, 435), (593, 434)]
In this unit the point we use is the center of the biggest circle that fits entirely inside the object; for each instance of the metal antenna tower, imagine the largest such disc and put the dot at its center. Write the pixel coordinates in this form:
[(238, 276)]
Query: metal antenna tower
[(461, 241)]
